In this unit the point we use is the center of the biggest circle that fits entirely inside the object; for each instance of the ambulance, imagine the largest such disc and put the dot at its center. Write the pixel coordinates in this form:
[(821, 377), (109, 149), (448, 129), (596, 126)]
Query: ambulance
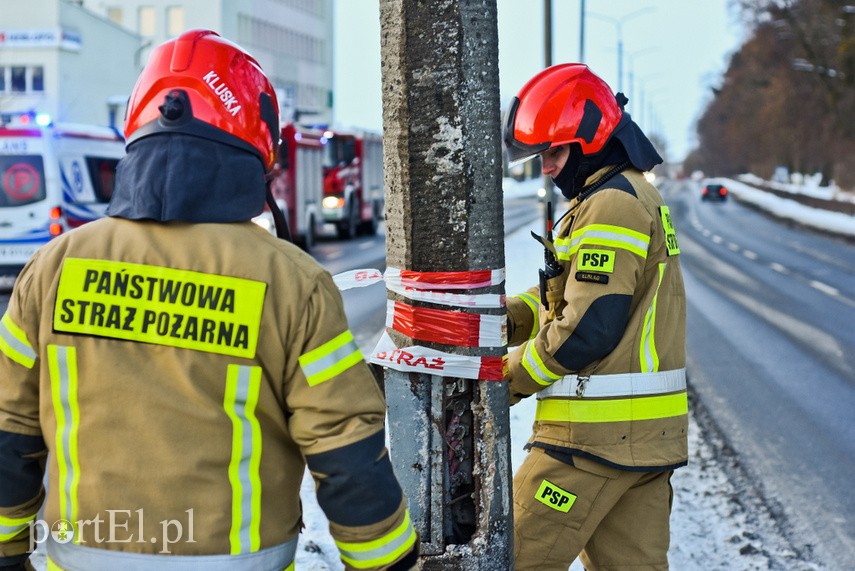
[(53, 178)]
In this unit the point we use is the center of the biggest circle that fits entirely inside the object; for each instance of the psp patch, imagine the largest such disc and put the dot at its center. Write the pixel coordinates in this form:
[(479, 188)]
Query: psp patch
[(590, 260), (554, 497)]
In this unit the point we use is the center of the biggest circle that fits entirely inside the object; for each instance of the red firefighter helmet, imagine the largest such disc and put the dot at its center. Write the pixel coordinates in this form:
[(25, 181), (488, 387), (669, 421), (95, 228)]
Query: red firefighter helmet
[(565, 103), (204, 85)]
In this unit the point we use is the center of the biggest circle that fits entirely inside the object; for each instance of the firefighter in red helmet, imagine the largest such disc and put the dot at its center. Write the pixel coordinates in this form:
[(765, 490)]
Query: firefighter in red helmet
[(177, 368), (601, 340)]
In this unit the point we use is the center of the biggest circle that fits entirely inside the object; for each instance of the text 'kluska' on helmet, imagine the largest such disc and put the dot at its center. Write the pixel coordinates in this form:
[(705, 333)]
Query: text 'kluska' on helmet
[(204, 85), (565, 103)]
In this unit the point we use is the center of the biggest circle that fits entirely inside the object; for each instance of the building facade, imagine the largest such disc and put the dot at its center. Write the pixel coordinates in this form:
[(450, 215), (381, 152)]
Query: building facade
[(59, 59), (78, 60), (291, 39)]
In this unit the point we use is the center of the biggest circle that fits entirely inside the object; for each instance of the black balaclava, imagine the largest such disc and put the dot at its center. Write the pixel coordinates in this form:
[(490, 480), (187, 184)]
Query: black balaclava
[(628, 144), (579, 167), (180, 177)]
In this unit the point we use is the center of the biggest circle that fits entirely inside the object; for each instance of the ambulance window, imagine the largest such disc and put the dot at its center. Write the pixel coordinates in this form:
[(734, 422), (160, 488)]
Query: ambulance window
[(102, 172), (22, 178), (2, 78)]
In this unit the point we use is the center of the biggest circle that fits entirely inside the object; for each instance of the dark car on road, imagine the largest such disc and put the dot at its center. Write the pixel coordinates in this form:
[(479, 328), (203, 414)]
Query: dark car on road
[(714, 192)]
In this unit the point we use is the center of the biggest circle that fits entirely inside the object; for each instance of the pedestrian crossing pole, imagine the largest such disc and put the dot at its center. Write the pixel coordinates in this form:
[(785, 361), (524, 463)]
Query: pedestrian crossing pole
[(449, 435)]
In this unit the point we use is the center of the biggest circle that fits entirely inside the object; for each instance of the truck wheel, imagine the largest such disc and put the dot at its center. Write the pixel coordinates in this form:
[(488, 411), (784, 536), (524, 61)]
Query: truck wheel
[(348, 227), (369, 227), (309, 238)]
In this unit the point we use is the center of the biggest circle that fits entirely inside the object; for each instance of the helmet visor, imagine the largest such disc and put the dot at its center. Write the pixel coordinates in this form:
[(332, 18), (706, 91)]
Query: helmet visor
[(519, 152)]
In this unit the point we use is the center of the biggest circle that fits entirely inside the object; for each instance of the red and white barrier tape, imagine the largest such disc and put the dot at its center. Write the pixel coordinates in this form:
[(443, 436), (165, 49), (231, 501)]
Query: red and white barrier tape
[(363, 278), (357, 278), (447, 327), (416, 359), (444, 280)]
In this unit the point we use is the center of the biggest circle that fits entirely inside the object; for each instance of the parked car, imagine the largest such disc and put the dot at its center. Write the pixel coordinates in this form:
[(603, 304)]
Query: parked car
[(714, 192)]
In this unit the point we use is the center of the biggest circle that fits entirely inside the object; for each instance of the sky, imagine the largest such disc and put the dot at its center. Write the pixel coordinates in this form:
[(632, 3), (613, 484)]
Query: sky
[(674, 51)]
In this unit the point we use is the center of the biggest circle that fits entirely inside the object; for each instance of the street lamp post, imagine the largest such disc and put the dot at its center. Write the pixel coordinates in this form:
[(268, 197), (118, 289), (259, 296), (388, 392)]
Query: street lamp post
[(618, 24), (632, 57)]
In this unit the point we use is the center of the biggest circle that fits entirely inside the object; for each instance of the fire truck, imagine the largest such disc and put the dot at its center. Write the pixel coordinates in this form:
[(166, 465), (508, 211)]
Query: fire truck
[(353, 182), (297, 184)]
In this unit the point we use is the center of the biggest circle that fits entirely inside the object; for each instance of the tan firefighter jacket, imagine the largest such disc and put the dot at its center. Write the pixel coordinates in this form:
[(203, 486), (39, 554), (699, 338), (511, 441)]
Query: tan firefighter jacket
[(181, 376), (607, 358)]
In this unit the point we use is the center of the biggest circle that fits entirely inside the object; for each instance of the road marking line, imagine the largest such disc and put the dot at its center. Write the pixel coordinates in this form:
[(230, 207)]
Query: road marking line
[(825, 288)]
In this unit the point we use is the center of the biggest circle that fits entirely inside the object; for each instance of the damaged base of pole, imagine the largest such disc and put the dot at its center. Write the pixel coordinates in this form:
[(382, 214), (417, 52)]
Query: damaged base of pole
[(446, 445)]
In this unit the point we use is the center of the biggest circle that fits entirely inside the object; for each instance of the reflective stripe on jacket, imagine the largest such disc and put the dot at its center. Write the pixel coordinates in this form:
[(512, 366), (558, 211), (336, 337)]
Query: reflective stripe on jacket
[(607, 359), (72, 557)]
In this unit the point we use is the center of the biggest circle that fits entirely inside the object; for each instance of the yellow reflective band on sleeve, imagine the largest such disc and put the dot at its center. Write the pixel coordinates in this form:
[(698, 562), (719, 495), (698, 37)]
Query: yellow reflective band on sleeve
[(612, 410), (62, 362), (14, 344), (373, 554), (243, 385), (616, 237), (533, 304), (670, 231), (533, 364), (164, 306), (330, 359), (647, 353), (11, 527)]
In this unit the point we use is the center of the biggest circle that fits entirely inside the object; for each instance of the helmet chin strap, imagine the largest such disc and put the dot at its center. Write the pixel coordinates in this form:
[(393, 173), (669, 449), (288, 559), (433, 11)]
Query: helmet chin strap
[(279, 220)]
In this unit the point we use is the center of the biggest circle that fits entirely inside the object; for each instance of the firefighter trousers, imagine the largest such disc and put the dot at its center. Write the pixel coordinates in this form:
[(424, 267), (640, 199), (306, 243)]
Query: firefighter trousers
[(611, 519)]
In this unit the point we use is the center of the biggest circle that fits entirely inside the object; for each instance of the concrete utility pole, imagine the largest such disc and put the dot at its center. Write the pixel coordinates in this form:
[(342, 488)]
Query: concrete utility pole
[(548, 186), (450, 436)]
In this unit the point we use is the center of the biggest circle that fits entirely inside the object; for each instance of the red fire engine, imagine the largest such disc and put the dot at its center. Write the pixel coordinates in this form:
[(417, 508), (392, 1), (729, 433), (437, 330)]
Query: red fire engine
[(353, 182), (297, 184)]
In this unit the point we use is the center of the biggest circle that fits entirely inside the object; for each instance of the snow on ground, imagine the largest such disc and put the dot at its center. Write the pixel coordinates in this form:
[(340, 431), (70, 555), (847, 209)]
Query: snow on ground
[(835, 222)]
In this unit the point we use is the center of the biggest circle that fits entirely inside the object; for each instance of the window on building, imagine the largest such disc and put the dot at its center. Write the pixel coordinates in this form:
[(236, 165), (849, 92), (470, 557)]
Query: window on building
[(2, 78), (115, 14), (38, 78), (19, 79), (147, 24), (174, 20)]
